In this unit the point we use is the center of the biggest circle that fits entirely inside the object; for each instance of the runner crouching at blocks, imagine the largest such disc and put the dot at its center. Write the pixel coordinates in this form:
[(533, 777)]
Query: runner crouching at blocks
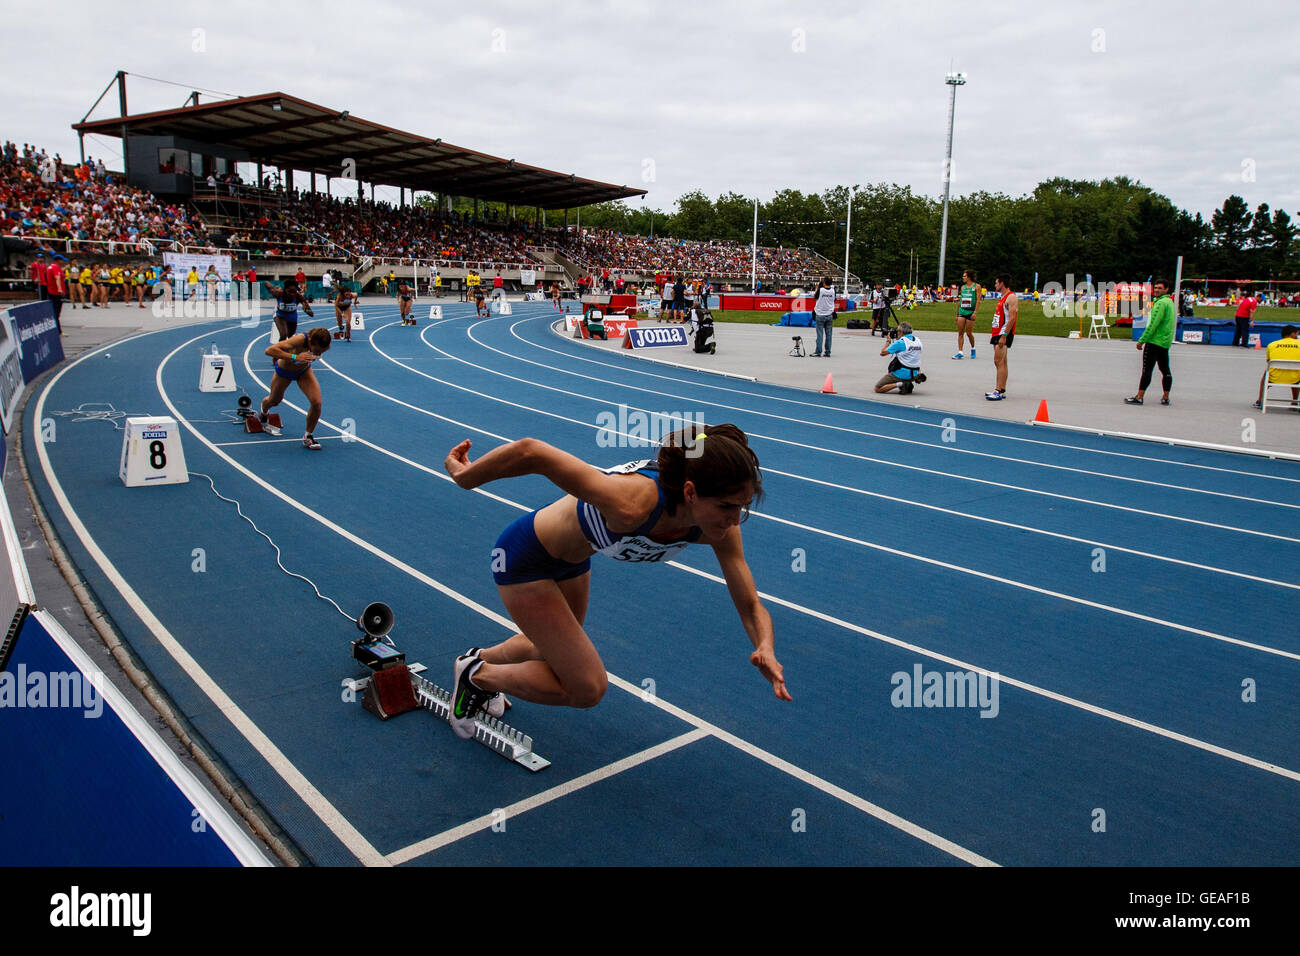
[(293, 358)]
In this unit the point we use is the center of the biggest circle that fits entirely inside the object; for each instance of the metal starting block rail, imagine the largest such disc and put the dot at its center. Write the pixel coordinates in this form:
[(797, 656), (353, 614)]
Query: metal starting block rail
[(490, 732)]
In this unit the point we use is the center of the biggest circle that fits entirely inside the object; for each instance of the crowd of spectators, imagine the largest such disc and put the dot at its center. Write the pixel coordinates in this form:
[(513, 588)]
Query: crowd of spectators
[(44, 199), (319, 226), (381, 230), (50, 202), (601, 249)]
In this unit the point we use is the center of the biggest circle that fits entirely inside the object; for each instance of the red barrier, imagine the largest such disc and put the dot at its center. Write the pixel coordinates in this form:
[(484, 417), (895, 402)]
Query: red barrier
[(776, 303), (737, 302), (609, 303)]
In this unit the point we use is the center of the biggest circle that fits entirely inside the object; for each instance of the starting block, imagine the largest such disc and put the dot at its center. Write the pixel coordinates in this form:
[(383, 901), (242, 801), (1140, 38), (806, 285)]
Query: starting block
[(254, 426), (510, 743)]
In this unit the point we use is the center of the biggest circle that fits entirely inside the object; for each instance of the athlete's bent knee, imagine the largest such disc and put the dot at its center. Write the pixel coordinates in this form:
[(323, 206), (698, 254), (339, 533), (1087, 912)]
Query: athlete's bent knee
[(588, 692)]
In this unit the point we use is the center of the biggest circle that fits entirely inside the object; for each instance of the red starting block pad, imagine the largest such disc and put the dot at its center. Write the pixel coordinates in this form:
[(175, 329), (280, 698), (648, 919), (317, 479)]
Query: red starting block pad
[(254, 427)]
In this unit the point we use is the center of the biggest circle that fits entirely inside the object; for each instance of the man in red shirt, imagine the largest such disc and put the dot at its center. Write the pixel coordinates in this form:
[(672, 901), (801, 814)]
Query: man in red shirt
[(302, 279), (1004, 331), (57, 287), (1245, 319), (36, 271)]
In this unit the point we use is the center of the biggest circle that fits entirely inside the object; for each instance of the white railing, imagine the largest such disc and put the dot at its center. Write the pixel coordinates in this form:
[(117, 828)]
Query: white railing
[(148, 247), (476, 264)]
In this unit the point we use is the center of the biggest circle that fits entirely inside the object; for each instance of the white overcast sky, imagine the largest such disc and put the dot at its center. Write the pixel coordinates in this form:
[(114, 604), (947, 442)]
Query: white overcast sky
[(1197, 100)]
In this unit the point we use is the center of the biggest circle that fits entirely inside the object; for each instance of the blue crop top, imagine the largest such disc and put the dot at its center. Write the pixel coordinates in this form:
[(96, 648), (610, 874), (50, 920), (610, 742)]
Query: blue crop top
[(632, 545)]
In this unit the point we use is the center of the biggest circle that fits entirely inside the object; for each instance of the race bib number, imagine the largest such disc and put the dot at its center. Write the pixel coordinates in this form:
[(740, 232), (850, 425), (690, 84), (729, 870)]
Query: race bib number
[(643, 549)]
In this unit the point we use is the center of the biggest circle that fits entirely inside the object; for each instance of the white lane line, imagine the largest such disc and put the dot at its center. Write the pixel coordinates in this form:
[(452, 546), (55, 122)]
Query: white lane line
[(825, 786), (272, 441), (1002, 486), (1021, 685), (1052, 695), (822, 408), (440, 840), (313, 798)]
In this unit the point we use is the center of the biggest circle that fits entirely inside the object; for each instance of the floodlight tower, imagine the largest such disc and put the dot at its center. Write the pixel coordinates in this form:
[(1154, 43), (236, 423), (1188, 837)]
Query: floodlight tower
[(954, 80)]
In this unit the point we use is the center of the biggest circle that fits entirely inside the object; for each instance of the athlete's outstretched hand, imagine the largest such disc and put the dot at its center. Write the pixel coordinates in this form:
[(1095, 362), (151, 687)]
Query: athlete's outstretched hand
[(770, 667), (457, 461)]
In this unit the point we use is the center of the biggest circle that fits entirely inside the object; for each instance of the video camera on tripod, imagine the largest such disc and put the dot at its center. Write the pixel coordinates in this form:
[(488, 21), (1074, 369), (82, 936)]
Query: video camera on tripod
[(881, 317)]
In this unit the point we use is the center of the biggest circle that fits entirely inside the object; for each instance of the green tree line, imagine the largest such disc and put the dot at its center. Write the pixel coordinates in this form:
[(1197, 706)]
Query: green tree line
[(1116, 230)]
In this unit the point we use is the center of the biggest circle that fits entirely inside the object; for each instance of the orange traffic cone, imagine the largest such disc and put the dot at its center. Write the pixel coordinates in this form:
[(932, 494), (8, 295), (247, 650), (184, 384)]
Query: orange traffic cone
[(829, 387), (1042, 412), (1258, 340)]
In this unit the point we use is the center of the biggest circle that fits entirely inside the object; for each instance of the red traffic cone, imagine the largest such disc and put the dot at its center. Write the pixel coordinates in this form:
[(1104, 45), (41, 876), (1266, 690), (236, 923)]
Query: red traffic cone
[(1042, 412), (1258, 340), (828, 388)]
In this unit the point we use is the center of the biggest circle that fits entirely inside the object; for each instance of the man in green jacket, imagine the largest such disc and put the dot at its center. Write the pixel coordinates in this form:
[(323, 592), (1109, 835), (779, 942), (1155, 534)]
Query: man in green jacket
[(1155, 343)]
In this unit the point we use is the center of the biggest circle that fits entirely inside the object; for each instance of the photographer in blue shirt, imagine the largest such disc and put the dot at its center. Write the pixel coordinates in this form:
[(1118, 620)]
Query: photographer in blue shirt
[(905, 367)]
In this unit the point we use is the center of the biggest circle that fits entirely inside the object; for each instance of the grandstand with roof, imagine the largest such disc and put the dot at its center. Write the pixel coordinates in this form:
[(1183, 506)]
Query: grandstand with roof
[(181, 191)]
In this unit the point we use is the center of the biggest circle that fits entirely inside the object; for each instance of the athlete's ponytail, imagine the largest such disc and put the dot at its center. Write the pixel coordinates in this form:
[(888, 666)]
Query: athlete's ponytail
[(717, 459)]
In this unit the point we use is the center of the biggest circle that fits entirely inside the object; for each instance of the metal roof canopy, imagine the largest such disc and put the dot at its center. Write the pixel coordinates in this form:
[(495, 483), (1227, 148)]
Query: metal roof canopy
[(303, 136)]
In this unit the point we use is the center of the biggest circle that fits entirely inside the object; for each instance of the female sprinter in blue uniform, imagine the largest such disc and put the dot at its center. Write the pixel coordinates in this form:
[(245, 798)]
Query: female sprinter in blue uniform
[(697, 491), (293, 358), (287, 297)]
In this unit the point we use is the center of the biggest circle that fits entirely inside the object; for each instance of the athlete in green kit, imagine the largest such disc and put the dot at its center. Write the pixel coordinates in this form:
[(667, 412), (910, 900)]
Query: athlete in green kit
[(969, 299)]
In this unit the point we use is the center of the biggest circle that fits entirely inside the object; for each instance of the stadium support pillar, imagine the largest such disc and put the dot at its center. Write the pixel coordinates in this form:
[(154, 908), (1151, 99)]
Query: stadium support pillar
[(313, 182), (259, 174), (121, 98), (360, 194), (476, 210), (566, 218)]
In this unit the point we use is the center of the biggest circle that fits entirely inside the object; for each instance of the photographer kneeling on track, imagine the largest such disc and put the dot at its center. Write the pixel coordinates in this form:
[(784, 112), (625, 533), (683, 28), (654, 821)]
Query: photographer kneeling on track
[(905, 368), (701, 322)]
